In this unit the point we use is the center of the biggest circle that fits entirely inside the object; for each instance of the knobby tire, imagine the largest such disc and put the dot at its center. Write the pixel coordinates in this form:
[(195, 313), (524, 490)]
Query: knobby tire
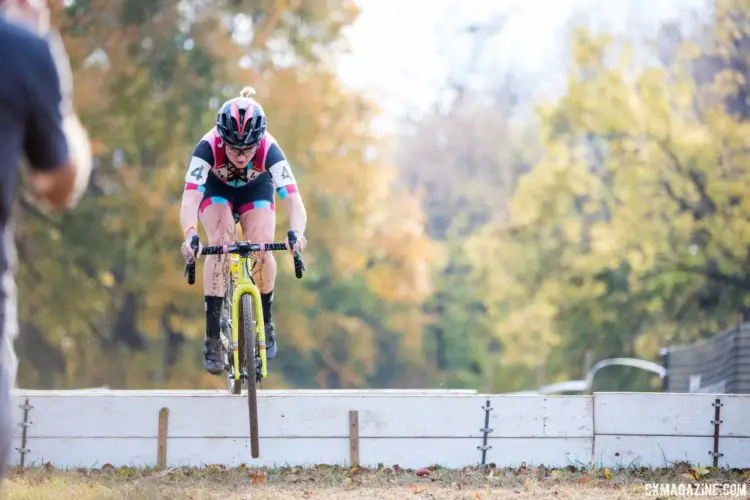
[(248, 338)]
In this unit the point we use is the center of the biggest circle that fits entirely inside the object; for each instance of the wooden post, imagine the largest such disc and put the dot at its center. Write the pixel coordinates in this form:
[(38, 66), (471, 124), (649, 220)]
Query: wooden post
[(353, 438), (161, 449)]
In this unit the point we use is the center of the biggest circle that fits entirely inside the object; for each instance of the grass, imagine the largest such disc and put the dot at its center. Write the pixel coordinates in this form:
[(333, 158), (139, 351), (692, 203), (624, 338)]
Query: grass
[(474, 483)]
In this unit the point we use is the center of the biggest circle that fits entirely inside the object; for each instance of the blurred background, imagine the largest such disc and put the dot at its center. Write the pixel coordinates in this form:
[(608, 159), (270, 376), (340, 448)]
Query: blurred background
[(500, 193)]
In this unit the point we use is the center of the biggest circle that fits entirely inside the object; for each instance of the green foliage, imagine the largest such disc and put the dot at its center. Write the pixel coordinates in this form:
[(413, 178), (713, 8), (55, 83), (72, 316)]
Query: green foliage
[(630, 232)]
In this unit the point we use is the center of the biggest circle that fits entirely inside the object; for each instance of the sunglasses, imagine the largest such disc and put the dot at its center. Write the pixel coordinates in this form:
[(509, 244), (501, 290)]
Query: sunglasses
[(239, 151)]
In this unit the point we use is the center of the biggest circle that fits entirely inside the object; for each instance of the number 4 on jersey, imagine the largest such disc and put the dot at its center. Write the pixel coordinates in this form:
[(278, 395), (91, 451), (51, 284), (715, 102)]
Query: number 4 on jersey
[(282, 174), (197, 171)]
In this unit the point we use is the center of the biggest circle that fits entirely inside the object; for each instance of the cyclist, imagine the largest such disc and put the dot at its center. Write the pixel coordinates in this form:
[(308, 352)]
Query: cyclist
[(232, 175)]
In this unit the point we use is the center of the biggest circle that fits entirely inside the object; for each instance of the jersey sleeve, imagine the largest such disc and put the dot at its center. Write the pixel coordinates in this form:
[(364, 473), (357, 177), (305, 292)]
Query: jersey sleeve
[(45, 144), (199, 167), (281, 172)]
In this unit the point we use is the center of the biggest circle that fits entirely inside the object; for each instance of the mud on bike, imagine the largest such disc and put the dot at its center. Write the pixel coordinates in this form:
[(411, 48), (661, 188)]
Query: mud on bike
[(242, 322)]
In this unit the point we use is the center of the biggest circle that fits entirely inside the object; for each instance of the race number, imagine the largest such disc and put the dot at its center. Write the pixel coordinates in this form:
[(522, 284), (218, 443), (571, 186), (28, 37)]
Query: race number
[(282, 174), (197, 171)]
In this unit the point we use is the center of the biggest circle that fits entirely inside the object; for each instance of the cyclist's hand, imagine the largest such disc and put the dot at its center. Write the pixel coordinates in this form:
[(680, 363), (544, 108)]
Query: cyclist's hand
[(299, 245), (186, 249)]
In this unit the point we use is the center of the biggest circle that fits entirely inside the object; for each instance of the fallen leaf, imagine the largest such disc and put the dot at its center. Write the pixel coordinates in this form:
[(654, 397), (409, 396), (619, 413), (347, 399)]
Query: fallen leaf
[(607, 474), (307, 494), (701, 471), (423, 472), (416, 489), (583, 480), (257, 477)]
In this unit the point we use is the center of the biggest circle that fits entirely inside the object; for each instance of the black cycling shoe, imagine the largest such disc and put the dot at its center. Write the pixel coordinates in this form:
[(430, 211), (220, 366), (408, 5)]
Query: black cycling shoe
[(270, 341), (213, 359)]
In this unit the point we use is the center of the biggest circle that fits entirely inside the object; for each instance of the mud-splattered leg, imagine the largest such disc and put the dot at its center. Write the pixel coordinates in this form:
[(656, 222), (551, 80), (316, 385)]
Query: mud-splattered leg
[(219, 224)]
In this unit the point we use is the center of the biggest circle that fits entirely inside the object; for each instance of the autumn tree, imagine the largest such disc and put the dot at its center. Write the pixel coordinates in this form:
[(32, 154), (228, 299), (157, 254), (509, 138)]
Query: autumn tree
[(631, 231), (114, 307)]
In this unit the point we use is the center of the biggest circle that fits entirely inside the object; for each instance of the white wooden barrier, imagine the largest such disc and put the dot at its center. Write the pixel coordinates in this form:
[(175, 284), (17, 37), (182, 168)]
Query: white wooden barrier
[(409, 428)]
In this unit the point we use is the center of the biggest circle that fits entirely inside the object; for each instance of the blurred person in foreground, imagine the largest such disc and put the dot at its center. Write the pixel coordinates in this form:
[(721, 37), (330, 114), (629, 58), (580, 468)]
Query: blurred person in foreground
[(37, 124)]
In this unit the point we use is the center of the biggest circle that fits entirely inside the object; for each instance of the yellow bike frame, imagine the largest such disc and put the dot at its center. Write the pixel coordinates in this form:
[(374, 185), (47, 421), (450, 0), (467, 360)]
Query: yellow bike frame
[(243, 283)]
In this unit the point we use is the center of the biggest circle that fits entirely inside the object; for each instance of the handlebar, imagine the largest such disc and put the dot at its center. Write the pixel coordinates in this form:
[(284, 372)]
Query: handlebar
[(242, 248)]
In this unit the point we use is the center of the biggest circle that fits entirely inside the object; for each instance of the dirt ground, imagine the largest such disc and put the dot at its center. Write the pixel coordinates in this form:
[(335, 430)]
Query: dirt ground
[(477, 483)]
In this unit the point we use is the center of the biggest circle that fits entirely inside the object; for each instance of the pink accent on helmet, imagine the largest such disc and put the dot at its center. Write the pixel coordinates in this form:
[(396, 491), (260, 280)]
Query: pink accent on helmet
[(236, 112)]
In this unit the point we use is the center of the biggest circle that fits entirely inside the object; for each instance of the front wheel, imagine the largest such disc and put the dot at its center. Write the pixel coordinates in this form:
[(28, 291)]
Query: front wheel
[(248, 334)]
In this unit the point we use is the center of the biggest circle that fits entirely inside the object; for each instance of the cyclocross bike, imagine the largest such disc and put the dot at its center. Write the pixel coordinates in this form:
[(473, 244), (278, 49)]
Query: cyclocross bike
[(242, 322)]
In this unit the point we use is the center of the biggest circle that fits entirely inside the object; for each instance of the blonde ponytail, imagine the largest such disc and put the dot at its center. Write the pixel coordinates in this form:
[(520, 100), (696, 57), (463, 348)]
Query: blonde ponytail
[(247, 91)]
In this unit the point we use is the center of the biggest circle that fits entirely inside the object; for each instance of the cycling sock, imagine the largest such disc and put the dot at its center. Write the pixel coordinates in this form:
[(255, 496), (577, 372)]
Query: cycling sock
[(213, 315), (266, 300)]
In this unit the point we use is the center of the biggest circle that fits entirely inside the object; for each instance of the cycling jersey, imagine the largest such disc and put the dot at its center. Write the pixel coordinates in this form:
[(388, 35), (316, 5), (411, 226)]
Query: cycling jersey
[(243, 189)]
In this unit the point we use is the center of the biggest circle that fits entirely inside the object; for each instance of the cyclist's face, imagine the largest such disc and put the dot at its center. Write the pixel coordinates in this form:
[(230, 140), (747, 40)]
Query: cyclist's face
[(241, 157)]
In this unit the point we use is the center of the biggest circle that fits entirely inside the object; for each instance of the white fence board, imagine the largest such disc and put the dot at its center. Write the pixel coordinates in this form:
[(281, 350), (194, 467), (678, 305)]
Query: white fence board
[(551, 452), (412, 429), (662, 451), (198, 452), (98, 391), (735, 416), (283, 416), (312, 416), (657, 414), (406, 452), (541, 416)]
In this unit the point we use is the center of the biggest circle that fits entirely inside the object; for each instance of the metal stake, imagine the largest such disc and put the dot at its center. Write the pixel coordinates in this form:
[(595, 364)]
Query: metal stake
[(485, 431), (717, 404), (23, 450)]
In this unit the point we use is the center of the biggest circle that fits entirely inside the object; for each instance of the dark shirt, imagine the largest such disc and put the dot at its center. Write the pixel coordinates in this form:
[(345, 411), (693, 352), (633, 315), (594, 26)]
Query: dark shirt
[(30, 121)]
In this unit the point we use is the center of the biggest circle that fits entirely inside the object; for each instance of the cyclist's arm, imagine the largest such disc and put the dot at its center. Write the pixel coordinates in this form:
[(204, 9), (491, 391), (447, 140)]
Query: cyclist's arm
[(56, 144), (286, 188), (195, 181)]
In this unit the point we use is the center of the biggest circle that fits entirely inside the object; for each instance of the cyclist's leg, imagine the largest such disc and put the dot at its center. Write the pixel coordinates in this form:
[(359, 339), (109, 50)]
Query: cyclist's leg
[(218, 222), (258, 221)]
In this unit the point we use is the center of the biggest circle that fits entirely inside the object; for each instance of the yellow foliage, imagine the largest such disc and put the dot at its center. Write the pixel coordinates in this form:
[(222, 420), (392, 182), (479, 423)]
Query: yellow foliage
[(628, 164)]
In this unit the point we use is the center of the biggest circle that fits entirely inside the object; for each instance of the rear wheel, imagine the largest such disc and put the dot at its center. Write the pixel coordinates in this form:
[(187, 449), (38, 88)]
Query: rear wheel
[(247, 346)]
